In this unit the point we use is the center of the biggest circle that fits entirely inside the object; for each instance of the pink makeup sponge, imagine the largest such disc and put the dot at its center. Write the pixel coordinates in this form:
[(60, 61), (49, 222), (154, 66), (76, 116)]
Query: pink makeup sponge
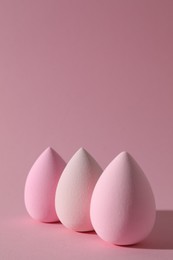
[(41, 185), (74, 190), (122, 205)]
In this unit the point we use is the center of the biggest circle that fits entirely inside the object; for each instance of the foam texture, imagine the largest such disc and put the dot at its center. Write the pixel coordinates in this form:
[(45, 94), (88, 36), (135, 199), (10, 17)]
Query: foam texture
[(122, 205), (74, 191), (41, 185)]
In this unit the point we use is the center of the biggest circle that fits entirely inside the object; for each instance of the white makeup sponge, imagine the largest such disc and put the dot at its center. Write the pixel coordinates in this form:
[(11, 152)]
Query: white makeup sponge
[(122, 204), (41, 185), (74, 190)]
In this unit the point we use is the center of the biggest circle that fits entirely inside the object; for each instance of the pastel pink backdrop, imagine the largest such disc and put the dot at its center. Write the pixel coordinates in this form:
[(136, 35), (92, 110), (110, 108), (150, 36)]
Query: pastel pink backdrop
[(97, 74)]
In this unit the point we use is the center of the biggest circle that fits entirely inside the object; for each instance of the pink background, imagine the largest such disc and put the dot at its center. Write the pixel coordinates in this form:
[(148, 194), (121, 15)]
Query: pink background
[(93, 73)]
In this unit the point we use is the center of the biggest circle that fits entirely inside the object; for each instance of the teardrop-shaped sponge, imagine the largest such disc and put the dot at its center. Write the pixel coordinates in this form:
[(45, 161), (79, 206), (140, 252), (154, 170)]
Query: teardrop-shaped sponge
[(41, 185), (74, 191), (122, 205)]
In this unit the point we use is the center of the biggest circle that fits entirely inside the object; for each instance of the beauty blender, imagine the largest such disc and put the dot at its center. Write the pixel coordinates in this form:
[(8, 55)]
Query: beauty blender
[(41, 185), (122, 205), (74, 190)]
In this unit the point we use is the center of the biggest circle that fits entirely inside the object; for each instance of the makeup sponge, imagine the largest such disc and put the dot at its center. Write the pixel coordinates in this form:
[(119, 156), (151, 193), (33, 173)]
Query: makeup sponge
[(74, 190), (41, 185), (122, 205)]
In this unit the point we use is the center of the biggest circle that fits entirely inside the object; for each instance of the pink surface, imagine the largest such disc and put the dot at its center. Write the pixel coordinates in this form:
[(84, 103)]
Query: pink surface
[(97, 74), (122, 205)]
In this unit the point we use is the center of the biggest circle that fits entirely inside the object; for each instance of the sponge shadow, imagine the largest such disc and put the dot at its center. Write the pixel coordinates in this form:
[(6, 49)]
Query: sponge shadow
[(161, 236)]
